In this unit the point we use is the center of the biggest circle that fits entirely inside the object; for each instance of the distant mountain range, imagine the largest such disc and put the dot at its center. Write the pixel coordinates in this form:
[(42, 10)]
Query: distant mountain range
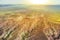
[(3, 5), (22, 6), (12, 7)]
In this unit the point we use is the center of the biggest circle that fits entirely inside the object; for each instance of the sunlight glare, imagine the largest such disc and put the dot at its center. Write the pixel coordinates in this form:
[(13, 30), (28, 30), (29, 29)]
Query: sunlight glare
[(39, 1)]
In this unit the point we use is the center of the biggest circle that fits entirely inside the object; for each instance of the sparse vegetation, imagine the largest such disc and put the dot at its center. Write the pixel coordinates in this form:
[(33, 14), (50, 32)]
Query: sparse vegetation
[(30, 25)]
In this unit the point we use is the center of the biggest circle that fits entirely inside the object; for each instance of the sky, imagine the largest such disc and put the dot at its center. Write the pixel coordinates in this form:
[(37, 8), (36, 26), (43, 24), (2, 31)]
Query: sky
[(11, 1), (24, 1)]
